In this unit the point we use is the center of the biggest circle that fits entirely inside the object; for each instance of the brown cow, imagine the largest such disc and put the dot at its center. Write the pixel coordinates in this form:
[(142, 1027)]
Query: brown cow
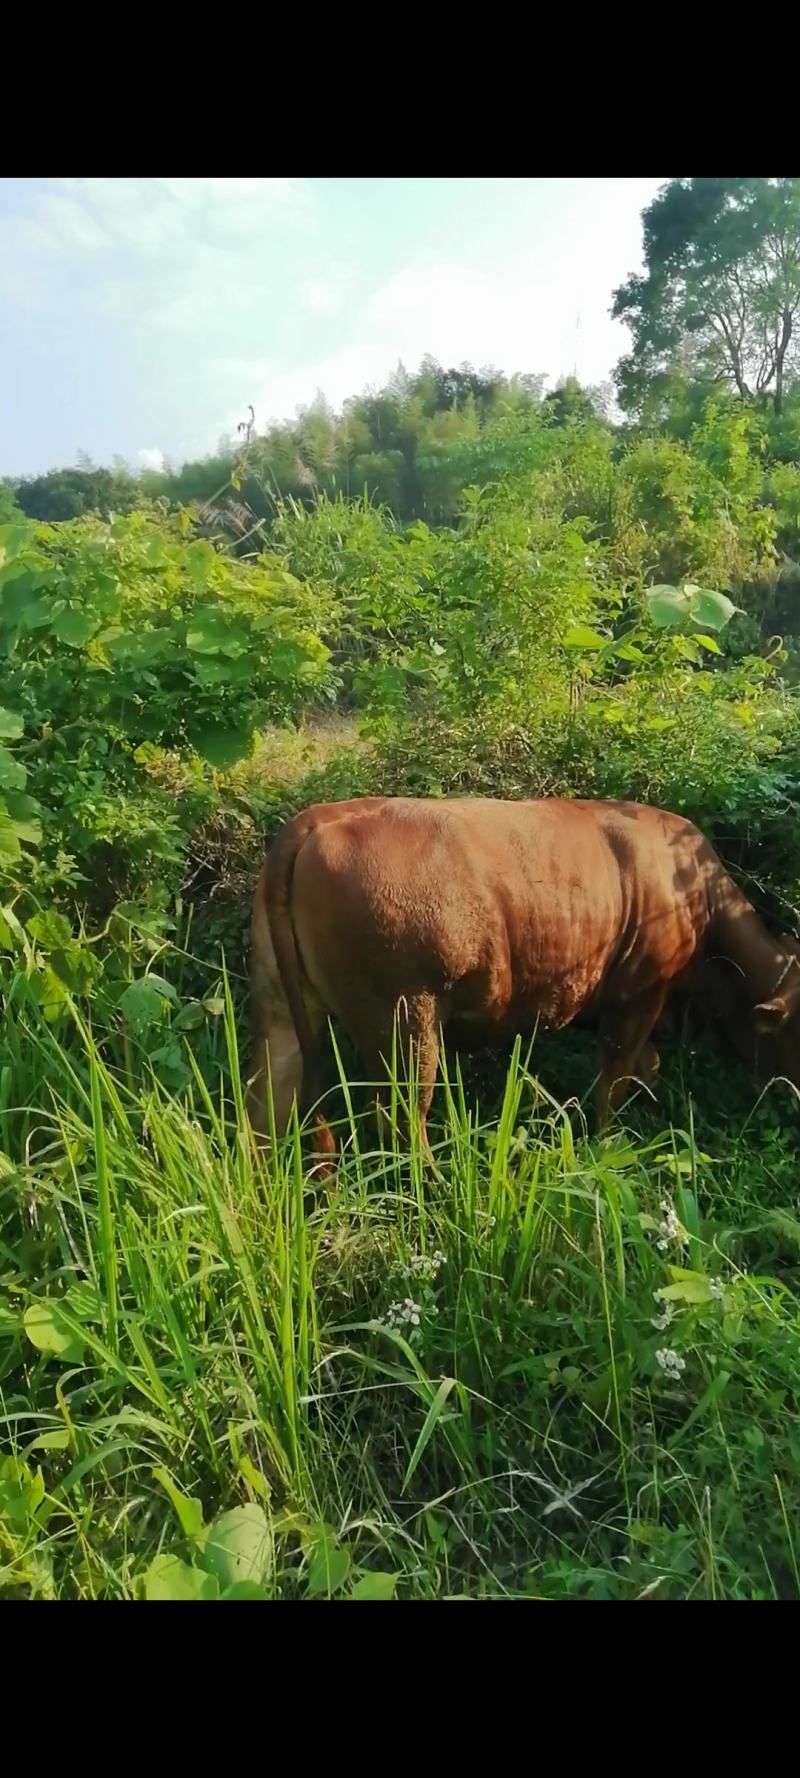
[(486, 918)]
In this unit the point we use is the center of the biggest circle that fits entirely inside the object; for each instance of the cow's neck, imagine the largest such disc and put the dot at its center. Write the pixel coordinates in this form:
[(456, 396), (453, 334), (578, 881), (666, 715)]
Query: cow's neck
[(738, 935)]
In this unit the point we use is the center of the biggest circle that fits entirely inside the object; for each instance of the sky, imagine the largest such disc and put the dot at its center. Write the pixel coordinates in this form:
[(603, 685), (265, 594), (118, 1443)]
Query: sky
[(140, 317)]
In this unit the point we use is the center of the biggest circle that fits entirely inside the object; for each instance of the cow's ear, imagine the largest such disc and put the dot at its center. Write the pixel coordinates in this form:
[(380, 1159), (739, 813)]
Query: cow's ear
[(771, 1014)]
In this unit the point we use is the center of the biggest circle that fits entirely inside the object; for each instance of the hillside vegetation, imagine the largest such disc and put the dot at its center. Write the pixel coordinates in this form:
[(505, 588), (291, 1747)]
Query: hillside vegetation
[(567, 1365)]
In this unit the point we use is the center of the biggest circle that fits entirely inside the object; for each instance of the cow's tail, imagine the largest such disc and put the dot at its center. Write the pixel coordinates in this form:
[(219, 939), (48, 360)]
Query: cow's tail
[(278, 880)]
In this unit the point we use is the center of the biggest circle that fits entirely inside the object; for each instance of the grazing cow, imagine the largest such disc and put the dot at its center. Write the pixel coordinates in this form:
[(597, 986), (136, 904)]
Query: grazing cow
[(713, 998), (486, 918)]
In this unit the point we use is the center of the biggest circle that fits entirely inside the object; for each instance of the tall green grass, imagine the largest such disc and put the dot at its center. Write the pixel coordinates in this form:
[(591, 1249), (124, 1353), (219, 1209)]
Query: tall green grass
[(214, 1380)]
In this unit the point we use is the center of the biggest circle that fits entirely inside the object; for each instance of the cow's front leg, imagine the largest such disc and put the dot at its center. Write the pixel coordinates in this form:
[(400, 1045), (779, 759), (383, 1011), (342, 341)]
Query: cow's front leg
[(628, 1054)]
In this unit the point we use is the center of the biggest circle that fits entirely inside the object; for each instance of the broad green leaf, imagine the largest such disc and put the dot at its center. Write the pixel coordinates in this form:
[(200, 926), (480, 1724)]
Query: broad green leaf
[(584, 640), (83, 1299), (668, 606), (222, 670), (156, 552), (627, 651), (205, 635), (21, 1492), (12, 772), (77, 967), (712, 611), (253, 1477), (210, 632), (39, 1573), (13, 539), (21, 603), (200, 559), (75, 627), (375, 1585), (47, 1330), (12, 936), (137, 654), (10, 1319), (328, 1568), (300, 658), (10, 849), (169, 1578), (709, 644), (53, 994), (690, 1287), (222, 744), (238, 1546), (144, 1002), (50, 930), (189, 1510), (11, 724), (58, 1440), (24, 812), (190, 1017), (169, 1065), (287, 659), (245, 1589)]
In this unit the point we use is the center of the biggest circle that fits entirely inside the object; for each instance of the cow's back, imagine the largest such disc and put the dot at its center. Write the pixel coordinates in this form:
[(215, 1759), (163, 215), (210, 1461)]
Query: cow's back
[(504, 911)]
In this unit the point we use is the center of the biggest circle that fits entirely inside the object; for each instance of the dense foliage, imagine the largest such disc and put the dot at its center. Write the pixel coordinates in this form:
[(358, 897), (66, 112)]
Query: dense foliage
[(413, 444), (568, 1367)]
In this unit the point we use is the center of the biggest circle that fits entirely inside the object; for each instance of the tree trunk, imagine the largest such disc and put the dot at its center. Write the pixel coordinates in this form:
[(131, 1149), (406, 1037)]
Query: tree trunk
[(780, 355)]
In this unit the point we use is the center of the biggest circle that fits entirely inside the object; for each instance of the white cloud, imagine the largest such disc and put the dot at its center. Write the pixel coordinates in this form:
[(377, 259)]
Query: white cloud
[(514, 316), (150, 457), (170, 227), (219, 292), (70, 224), (517, 315), (26, 248), (277, 393), (326, 289)]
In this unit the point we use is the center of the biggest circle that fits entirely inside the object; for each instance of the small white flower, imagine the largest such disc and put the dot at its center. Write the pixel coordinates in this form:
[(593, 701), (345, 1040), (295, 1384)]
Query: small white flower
[(663, 1319), (670, 1229), (424, 1265), (671, 1362), (403, 1314), (717, 1288)]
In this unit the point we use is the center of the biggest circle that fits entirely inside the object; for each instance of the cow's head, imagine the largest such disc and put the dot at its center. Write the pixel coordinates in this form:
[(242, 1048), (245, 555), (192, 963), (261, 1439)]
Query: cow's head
[(777, 1023)]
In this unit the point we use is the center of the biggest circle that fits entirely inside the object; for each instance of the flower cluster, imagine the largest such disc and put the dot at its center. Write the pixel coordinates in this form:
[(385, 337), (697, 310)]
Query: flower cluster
[(424, 1266), (664, 1316), (403, 1314), (671, 1362), (669, 1229)]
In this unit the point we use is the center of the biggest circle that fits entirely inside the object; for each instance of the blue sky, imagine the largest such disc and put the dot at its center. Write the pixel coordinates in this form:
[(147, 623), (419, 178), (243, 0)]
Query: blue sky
[(139, 317)]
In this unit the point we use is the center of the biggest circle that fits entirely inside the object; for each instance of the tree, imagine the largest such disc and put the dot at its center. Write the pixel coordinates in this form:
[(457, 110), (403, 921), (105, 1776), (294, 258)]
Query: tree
[(69, 493), (720, 294), (569, 403), (9, 509)]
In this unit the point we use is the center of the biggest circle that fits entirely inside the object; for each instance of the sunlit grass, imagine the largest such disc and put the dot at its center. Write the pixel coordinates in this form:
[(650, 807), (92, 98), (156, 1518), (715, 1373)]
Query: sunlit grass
[(421, 1384)]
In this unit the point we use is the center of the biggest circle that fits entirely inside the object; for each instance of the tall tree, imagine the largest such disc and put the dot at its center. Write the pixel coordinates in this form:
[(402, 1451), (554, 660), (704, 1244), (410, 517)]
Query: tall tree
[(721, 287)]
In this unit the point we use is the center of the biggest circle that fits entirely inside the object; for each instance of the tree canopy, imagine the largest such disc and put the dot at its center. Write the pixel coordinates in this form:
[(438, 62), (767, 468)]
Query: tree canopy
[(720, 293)]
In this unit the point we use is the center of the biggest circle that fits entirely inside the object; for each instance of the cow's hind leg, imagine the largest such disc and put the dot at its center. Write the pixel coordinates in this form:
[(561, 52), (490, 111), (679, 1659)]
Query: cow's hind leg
[(276, 1064), (417, 1021), (628, 1054)]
